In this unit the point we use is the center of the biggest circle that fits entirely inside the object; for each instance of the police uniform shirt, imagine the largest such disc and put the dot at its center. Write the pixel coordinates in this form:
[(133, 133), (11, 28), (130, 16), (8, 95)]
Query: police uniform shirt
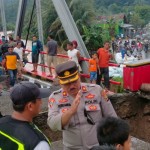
[(78, 133)]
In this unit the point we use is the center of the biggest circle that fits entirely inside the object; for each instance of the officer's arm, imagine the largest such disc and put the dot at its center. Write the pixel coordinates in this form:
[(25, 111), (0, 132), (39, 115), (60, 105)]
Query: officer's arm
[(66, 118), (58, 121), (73, 109), (54, 117), (106, 106)]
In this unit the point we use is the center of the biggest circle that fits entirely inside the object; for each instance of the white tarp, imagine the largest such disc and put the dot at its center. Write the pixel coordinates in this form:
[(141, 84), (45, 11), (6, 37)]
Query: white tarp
[(127, 59), (116, 71)]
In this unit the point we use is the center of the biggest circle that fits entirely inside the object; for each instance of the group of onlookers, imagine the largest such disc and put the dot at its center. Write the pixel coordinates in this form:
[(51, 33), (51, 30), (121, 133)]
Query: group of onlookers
[(131, 47), (12, 53), (98, 64), (82, 111), (11, 57)]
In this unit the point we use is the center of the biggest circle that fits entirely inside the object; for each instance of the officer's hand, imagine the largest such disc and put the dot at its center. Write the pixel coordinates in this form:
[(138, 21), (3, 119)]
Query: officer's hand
[(76, 103)]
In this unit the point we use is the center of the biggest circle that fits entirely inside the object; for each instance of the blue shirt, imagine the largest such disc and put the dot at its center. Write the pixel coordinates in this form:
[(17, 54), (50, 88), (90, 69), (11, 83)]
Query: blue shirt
[(34, 47)]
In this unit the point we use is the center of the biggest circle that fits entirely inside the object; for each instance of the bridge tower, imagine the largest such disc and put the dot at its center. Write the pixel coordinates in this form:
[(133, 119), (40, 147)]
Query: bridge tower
[(3, 18)]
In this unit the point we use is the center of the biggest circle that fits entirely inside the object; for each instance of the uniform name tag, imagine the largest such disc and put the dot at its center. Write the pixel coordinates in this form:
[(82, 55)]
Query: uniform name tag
[(92, 107), (91, 101), (63, 100)]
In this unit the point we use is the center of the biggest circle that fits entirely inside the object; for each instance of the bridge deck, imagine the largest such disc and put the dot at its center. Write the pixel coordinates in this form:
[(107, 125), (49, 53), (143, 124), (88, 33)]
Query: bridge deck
[(38, 75)]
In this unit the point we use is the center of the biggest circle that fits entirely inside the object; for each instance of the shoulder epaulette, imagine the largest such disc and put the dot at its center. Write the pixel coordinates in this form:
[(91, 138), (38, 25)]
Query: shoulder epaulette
[(91, 85), (57, 92)]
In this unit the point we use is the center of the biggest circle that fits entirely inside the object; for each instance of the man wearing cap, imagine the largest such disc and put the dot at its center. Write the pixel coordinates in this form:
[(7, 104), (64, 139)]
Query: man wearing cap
[(10, 59), (77, 108), (18, 132)]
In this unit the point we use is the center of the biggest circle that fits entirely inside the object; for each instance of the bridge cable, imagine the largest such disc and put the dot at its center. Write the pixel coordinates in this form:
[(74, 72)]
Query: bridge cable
[(28, 31)]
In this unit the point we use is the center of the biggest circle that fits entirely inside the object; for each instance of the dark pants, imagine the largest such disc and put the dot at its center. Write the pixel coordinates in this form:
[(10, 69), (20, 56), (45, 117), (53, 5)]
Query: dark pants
[(105, 72), (35, 58), (12, 76)]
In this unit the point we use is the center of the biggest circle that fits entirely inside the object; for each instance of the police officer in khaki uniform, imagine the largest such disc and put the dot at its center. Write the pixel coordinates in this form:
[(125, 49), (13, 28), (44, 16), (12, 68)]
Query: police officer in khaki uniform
[(77, 108)]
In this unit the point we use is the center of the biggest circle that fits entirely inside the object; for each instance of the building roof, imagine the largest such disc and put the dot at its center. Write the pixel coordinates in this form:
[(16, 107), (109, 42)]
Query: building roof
[(115, 17), (126, 25)]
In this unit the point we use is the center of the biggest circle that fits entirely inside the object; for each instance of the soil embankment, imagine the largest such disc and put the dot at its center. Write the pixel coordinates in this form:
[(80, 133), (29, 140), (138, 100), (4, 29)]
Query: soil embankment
[(136, 111)]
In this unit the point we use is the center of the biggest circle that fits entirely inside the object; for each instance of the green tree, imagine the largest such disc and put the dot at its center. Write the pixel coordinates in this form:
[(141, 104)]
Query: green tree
[(111, 27), (114, 8), (139, 2), (92, 37), (83, 14), (49, 15), (143, 12), (136, 20), (102, 11)]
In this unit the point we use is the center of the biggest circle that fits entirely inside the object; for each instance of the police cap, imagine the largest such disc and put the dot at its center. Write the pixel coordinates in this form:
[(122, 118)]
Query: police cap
[(67, 72)]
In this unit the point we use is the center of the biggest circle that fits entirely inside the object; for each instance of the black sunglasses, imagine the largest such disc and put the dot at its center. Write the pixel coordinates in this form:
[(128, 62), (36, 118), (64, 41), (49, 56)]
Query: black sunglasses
[(89, 118)]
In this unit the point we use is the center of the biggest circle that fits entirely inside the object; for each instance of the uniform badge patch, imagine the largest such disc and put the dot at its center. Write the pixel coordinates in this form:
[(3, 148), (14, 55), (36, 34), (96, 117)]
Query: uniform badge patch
[(63, 101), (64, 110), (104, 95), (84, 89), (51, 102), (66, 73), (64, 93), (93, 107), (90, 96)]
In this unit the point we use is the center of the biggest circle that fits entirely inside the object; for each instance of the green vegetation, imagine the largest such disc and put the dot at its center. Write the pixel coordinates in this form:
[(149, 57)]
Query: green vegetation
[(93, 37), (118, 88)]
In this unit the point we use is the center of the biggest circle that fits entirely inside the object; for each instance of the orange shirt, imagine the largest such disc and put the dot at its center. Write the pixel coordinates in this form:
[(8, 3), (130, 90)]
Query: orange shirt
[(92, 65), (11, 60), (104, 57)]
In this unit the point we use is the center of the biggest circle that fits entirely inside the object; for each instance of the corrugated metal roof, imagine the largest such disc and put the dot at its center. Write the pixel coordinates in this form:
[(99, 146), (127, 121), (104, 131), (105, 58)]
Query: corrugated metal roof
[(126, 25)]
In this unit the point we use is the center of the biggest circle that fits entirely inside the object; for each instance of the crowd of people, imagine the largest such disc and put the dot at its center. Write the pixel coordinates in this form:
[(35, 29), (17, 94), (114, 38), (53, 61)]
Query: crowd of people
[(131, 47), (82, 111), (12, 58)]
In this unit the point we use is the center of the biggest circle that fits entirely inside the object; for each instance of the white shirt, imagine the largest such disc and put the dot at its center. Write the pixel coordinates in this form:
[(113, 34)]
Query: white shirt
[(73, 55), (43, 145), (19, 51)]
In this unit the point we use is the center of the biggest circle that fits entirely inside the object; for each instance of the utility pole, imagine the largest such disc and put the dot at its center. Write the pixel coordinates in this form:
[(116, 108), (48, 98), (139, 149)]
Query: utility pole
[(71, 28), (40, 29), (3, 18)]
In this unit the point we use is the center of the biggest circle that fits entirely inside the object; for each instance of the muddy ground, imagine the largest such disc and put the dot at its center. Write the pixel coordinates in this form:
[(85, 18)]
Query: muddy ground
[(130, 107)]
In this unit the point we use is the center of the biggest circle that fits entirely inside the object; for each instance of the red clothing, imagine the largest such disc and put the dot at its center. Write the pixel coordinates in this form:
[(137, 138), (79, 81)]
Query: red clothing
[(1, 42), (92, 65), (104, 57)]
